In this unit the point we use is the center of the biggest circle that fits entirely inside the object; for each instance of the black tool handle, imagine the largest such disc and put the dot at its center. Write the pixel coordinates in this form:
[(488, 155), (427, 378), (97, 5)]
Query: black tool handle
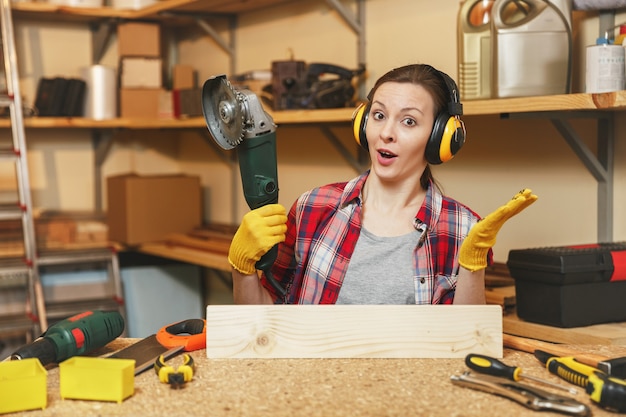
[(491, 366), (608, 392)]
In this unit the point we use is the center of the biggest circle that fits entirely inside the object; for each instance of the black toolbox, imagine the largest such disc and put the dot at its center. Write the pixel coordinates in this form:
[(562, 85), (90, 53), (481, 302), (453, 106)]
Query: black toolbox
[(570, 286)]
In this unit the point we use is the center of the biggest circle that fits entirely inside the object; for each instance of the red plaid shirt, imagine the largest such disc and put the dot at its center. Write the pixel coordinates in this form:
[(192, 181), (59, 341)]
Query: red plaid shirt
[(322, 230)]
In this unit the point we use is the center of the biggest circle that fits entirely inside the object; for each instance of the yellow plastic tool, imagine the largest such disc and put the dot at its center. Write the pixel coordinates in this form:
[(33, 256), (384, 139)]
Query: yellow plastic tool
[(175, 377), (98, 379), (22, 385)]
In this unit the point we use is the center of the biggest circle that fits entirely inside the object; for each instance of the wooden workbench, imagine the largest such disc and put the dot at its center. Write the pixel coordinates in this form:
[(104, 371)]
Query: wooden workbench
[(312, 387)]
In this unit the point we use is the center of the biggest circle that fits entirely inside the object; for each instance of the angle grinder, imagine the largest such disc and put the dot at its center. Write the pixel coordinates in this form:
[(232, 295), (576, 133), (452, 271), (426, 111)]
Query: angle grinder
[(236, 120)]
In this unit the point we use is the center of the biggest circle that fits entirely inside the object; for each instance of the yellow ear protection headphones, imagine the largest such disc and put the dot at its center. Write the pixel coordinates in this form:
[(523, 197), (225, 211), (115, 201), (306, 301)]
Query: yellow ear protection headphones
[(447, 136)]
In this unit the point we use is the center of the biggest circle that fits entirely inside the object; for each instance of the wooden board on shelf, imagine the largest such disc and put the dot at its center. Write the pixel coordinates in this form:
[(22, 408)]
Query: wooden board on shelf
[(562, 102), (210, 6), (503, 296), (49, 11), (598, 334), (194, 256), (565, 102), (205, 247), (342, 115)]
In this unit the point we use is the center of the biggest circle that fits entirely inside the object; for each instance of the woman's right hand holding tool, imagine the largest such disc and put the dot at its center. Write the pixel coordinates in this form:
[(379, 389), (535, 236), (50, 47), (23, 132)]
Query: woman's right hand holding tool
[(260, 230)]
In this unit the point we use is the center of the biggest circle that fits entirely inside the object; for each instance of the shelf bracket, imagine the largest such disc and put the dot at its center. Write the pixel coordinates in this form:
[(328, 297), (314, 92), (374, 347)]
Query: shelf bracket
[(352, 21), (356, 163), (228, 47), (102, 32), (600, 164), (102, 141), (601, 167), (357, 24)]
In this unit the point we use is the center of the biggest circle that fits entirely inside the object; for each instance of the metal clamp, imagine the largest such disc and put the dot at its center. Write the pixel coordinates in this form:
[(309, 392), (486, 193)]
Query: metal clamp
[(526, 395)]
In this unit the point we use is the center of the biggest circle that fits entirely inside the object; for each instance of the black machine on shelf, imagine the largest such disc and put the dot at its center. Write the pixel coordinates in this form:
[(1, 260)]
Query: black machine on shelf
[(296, 85)]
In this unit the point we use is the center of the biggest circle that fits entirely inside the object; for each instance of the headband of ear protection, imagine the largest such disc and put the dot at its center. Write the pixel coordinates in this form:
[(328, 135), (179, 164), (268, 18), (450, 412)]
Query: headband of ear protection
[(447, 136)]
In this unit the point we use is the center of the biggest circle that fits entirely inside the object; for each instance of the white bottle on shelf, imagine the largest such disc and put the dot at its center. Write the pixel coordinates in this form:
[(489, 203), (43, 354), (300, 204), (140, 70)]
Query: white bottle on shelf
[(605, 67)]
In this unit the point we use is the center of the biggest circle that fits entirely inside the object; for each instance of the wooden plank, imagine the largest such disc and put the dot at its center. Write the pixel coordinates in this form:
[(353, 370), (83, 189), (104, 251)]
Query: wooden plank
[(214, 244), (581, 101), (193, 256), (340, 115), (353, 331), (504, 296), (153, 11), (598, 334), (564, 102)]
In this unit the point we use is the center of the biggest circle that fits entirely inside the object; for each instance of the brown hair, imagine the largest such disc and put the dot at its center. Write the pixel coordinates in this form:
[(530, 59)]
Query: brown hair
[(429, 78)]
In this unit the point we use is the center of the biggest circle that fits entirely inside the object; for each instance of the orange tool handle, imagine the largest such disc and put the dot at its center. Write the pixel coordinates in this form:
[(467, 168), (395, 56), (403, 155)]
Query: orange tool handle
[(191, 334)]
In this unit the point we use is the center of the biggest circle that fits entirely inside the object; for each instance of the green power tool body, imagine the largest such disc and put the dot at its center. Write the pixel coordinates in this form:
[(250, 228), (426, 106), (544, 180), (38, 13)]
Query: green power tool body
[(236, 119), (77, 335)]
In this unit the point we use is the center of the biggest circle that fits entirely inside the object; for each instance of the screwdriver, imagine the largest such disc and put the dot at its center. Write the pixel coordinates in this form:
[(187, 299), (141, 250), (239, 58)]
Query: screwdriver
[(606, 391), (492, 366)]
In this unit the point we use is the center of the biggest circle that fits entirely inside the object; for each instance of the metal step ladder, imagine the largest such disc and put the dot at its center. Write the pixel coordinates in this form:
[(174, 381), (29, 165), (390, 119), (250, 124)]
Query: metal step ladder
[(104, 295), (19, 272), (21, 277)]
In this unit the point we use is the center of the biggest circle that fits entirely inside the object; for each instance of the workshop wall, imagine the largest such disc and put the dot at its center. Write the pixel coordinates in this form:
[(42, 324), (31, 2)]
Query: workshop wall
[(500, 157)]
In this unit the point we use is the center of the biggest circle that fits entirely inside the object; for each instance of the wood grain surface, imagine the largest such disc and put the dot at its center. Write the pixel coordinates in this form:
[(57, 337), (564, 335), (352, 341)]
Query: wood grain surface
[(597, 334), (353, 331)]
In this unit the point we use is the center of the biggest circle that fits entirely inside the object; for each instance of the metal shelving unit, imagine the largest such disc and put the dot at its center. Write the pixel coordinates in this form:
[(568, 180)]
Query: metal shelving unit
[(21, 274), (558, 109)]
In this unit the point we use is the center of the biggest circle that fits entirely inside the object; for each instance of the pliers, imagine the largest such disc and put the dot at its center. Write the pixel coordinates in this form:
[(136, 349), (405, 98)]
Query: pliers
[(176, 378), (528, 396)]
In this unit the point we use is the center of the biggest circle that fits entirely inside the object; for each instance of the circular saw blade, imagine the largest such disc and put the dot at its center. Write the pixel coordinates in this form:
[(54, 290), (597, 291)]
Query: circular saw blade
[(223, 112)]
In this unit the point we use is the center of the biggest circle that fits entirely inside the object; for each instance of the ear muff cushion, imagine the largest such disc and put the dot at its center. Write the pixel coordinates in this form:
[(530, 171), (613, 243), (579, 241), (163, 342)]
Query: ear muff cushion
[(359, 122), (434, 141), (452, 139)]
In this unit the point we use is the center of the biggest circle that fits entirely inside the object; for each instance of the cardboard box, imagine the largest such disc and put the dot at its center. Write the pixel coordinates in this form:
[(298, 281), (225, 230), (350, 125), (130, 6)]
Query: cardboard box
[(140, 102), (141, 72), (148, 208), (166, 105), (187, 103), (139, 39), (183, 77)]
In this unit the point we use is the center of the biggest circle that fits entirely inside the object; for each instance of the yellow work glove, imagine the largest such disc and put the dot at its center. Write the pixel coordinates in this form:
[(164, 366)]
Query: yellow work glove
[(482, 236), (259, 231)]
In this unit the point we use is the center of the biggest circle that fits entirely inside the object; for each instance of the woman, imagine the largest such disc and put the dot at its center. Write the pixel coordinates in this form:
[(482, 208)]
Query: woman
[(388, 236)]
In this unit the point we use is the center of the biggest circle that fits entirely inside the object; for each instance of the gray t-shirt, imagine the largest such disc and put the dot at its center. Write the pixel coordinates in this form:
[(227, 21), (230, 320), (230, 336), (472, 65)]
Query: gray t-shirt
[(381, 270)]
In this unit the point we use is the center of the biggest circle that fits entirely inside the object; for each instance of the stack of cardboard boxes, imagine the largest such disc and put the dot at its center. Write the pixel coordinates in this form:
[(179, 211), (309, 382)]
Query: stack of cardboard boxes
[(186, 95), (141, 71)]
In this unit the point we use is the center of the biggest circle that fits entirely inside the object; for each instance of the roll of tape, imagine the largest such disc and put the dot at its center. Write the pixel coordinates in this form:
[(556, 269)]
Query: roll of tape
[(101, 94)]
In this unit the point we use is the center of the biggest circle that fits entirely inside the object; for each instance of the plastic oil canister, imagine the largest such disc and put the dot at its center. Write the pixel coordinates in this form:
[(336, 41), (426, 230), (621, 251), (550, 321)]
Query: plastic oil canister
[(532, 44), (474, 49)]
